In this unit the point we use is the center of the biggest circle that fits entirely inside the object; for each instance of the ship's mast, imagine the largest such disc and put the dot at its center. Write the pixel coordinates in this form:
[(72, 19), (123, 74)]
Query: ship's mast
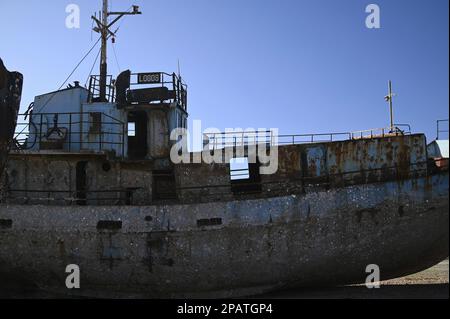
[(104, 49), (388, 98), (103, 27)]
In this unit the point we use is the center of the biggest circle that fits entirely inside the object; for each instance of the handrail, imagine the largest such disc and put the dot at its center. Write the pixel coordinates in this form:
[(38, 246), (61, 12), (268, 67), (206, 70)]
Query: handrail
[(125, 195), (172, 81), (317, 180), (416, 170), (94, 88), (382, 132), (167, 80), (243, 138), (38, 126)]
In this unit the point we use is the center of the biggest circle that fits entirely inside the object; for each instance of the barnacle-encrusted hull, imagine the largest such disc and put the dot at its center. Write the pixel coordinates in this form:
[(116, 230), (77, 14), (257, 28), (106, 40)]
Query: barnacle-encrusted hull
[(326, 237)]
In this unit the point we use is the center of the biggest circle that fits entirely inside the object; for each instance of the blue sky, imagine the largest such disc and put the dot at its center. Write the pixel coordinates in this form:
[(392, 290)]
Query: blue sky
[(301, 66)]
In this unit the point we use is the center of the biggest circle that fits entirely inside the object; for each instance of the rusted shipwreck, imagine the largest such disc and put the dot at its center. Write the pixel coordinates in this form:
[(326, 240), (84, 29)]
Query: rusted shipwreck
[(90, 182), (83, 189)]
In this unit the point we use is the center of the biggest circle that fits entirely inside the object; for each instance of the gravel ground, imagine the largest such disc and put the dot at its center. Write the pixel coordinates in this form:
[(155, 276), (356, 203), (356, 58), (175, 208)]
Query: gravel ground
[(431, 283)]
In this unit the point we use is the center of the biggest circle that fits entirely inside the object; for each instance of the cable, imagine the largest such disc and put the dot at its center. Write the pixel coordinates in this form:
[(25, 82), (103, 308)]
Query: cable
[(115, 56), (93, 65), (71, 73)]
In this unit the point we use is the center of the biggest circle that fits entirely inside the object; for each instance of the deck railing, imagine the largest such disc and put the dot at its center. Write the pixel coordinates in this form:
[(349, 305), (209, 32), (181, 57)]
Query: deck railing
[(71, 131), (219, 140), (169, 80), (71, 197)]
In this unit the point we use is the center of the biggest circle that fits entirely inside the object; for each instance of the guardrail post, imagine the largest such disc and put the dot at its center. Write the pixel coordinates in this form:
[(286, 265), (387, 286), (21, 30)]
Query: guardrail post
[(123, 139), (174, 86), (70, 131), (101, 132), (40, 131)]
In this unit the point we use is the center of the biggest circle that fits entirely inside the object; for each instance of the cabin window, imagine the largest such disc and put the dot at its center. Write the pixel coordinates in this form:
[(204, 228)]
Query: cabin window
[(95, 120), (244, 176), (131, 129)]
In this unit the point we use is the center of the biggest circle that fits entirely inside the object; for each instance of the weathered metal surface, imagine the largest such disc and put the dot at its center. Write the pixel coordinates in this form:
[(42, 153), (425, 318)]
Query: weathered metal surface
[(246, 247), (301, 168), (96, 127), (372, 160), (158, 134), (10, 95), (330, 210), (51, 179)]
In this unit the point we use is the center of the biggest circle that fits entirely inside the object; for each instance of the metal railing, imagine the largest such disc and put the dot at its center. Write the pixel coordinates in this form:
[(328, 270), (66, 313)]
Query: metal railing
[(94, 89), (70, 131), (382, 132), (234, 139), (170, 81), (339, 179), (291, 139), (118, 196), (244, 138), (342, 179), (438, 129)]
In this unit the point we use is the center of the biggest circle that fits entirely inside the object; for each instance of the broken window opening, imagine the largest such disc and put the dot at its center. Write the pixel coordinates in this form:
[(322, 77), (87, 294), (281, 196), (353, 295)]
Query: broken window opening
[(244, 176), (164, 186), (131, 129), (95, 120), (239, 168), (137, 136)]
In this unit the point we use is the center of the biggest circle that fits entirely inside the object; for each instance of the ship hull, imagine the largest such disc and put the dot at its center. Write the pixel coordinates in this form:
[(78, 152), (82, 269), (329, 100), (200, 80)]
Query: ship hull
[(230, 249)]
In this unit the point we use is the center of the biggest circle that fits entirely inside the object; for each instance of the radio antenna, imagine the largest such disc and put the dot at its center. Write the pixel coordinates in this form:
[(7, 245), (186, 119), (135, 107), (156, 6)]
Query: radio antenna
[(103, 27), (388, 99)]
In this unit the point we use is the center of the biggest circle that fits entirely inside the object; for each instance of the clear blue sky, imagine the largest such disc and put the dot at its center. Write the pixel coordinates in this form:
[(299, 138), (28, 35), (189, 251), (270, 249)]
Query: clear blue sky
[(299, 65)]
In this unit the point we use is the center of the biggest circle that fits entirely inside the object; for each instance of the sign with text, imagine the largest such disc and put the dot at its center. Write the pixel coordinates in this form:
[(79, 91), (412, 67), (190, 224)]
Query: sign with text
[(149, 78)]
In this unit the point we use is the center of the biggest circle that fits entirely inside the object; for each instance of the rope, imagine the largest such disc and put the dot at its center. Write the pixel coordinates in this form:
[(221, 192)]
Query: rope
[(71, 73), (115, 56), (92, 68)]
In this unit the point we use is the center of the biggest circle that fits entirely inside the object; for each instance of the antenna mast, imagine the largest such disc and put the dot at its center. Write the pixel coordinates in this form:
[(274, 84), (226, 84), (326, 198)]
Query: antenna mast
[(103, 27), (388, 98)]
